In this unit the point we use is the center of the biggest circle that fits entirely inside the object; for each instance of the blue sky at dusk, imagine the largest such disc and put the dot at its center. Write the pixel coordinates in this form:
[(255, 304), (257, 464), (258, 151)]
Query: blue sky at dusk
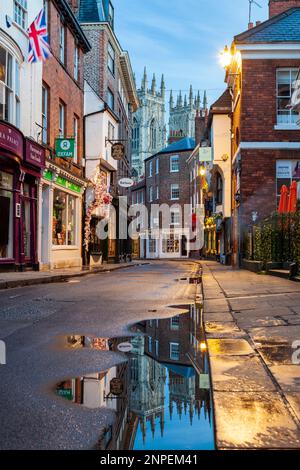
[(182, 38)]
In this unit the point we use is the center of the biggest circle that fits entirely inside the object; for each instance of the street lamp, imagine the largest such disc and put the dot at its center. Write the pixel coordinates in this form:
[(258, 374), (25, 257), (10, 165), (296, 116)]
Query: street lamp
[(202, 171), (225, 57)]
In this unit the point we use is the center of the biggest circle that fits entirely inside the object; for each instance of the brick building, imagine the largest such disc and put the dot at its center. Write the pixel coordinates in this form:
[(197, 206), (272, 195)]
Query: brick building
[(63, 183), (108, 71), (167, 183), (266, 137)]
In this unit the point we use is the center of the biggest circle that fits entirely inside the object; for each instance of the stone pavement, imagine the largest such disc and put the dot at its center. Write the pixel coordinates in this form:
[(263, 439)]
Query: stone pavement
[(10, 280), (252, 324)]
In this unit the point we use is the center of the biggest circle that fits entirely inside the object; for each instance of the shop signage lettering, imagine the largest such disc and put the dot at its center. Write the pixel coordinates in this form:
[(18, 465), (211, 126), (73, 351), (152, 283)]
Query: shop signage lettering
[(11, 140), (68, 185), (125, 347), (126, 183), (65, 148), (35, 154)]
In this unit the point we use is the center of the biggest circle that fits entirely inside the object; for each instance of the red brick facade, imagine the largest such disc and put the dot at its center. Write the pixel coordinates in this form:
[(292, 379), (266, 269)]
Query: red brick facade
[(62, 87), (279, 6)]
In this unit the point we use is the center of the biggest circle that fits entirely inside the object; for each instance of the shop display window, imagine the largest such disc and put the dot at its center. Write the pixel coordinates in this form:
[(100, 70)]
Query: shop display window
[(6, 215), (64, 219)]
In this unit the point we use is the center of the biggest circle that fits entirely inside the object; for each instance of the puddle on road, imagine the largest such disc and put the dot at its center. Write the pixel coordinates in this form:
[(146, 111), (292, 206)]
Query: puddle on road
[(161, 394)]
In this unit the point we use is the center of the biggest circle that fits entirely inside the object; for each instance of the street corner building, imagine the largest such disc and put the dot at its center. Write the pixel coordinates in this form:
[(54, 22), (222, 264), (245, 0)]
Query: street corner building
[(263, 66), (22, 158)]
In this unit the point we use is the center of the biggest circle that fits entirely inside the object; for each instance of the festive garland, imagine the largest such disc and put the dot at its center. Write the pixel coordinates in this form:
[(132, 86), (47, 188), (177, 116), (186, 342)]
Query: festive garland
[(101, 198)]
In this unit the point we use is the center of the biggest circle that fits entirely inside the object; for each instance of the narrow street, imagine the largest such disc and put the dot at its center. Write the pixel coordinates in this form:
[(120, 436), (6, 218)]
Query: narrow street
[(34, 319)]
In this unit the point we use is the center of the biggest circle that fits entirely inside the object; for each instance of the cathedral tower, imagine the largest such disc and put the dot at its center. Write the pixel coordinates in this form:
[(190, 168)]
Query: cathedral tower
[(149, 126)]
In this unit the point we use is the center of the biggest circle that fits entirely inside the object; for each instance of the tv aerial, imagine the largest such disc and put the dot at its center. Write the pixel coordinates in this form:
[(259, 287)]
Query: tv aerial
[(251, 3)]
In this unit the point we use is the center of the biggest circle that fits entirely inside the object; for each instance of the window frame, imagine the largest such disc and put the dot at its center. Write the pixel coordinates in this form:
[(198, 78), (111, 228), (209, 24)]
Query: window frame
[(111, 95), (10, 89), (76, 134), (150, 174), (111, 58), (280, 122), (171, 345), (177, 168), (21, 13), (62, 123), (62, 43), (172, 189), (45, 114), (76, 62)]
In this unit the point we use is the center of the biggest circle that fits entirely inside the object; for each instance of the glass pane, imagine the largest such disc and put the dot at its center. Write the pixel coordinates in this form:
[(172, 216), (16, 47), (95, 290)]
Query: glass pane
[(9, 71), (8, 105), (296, 170), (59, 217), (71, 220), (27, 231), (2, 100), (2, 64)]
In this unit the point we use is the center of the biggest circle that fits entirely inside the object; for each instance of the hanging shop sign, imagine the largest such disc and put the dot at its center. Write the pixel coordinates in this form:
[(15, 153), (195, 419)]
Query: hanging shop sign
[(65, 148), (11, 140), (118, 151), (35, 154), (126, 183), (116, 387), (205, 154)]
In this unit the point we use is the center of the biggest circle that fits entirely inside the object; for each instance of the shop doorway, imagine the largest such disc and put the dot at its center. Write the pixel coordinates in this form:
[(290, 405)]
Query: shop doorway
[(45, 242)]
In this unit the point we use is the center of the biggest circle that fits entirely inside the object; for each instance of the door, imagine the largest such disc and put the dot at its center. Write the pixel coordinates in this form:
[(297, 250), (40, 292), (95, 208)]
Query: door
[(45, 225)]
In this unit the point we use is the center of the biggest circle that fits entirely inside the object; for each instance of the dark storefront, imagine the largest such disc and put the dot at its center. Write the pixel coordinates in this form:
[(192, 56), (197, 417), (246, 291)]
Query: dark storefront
[(21, 161)]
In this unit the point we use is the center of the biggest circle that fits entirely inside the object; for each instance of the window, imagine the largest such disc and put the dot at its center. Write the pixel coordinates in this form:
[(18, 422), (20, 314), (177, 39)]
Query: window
[(45, 104), (150, 194), (149, 344), (62, 41), (287, 171), (135, 135), (9, 88), (150, 169), (111, 15), (157, 192), (174, 192), (174, 164), (175, 323), (64, 219), (219, 190), (76, 63), (174, 351), (175, 217), (111, 131), (285, 79), (75, 134), (20, 13), (110, 99), (153, 135), (157, 166), (152, 245), (156, 347), (7, 216), (111, 58), (62, 119)]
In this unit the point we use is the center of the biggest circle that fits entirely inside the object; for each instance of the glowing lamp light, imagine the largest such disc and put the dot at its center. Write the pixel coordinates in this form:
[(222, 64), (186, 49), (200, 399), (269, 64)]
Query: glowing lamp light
[(203, 346), (202, 171), (225, 57)]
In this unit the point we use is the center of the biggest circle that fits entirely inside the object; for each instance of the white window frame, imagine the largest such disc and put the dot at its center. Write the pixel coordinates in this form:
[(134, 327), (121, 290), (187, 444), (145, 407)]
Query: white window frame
[(111, 59), (150, 169), (45, 108), (157, 166), (150, 344), (20, 13), (172, 355), (156, 348), (173, 189), (62, 43), (62, 119), (110, 95), (151, 194), (10, 90), (175, 216), (77, 219), (157, 192), (173, 168), (174, 326), (76, 62)]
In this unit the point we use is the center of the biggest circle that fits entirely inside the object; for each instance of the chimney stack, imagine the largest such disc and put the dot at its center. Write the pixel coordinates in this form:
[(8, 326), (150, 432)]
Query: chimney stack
[(279, 6), (250, 25)]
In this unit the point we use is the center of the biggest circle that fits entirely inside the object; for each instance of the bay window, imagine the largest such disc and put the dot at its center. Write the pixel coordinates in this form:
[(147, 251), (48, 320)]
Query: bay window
[(9, 88), (64, 219)]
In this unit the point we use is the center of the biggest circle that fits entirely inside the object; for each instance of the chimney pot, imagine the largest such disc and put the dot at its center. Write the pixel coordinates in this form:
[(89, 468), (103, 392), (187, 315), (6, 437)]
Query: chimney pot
[(258, 23), (250, 25)]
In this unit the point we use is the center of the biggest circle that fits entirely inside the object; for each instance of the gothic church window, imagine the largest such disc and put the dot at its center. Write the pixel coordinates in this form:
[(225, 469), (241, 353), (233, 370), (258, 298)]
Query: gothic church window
[(153, 135), (135, 135)]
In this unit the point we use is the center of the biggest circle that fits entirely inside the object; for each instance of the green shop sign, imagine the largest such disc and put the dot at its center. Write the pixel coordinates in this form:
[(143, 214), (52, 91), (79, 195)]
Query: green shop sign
[(48, 175), (65, 148)]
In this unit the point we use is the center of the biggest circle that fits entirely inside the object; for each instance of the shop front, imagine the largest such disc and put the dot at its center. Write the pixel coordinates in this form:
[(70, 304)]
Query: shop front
[(60, 231), (21, 162)]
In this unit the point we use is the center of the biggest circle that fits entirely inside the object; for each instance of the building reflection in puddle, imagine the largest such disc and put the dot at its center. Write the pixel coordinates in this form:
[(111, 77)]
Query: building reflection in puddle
[(161, 395)]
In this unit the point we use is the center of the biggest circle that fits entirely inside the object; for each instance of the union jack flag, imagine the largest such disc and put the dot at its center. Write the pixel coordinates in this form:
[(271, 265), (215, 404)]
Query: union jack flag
[(39, 48)]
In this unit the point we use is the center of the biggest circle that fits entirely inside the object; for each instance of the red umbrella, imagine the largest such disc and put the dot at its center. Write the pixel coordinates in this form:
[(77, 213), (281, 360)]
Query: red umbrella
[(284, 200), (292, 207)]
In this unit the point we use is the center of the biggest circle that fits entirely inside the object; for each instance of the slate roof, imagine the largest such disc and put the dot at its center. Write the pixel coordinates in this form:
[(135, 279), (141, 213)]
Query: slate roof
[(91, 11), (284, 27), (180, 146)]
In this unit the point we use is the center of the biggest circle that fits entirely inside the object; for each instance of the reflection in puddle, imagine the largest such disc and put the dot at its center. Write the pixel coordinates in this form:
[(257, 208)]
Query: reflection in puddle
[(161, 395)]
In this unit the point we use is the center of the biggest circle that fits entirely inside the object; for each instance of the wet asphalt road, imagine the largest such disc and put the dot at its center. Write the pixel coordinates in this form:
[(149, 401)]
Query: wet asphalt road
[(32, 320)]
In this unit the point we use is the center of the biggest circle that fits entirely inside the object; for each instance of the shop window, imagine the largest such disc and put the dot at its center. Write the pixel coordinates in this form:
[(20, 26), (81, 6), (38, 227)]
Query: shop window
[(27, 221), (287, 171), (64, 219), (20, 13), (6, 215), (170, 245), (285, 80), (174, 351), (152, 245)]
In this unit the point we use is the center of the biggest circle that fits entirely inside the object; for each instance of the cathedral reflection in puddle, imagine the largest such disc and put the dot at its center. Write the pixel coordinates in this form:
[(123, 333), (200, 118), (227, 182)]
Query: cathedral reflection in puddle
[(161, 395)]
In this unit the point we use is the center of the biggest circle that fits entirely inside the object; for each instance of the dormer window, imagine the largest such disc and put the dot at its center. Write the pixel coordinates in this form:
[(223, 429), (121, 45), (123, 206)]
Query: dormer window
[(111, 15)]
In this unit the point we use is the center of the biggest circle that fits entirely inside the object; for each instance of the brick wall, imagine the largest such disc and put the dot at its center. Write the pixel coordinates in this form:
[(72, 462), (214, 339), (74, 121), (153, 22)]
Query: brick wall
[(278, 6), (62, 86)]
